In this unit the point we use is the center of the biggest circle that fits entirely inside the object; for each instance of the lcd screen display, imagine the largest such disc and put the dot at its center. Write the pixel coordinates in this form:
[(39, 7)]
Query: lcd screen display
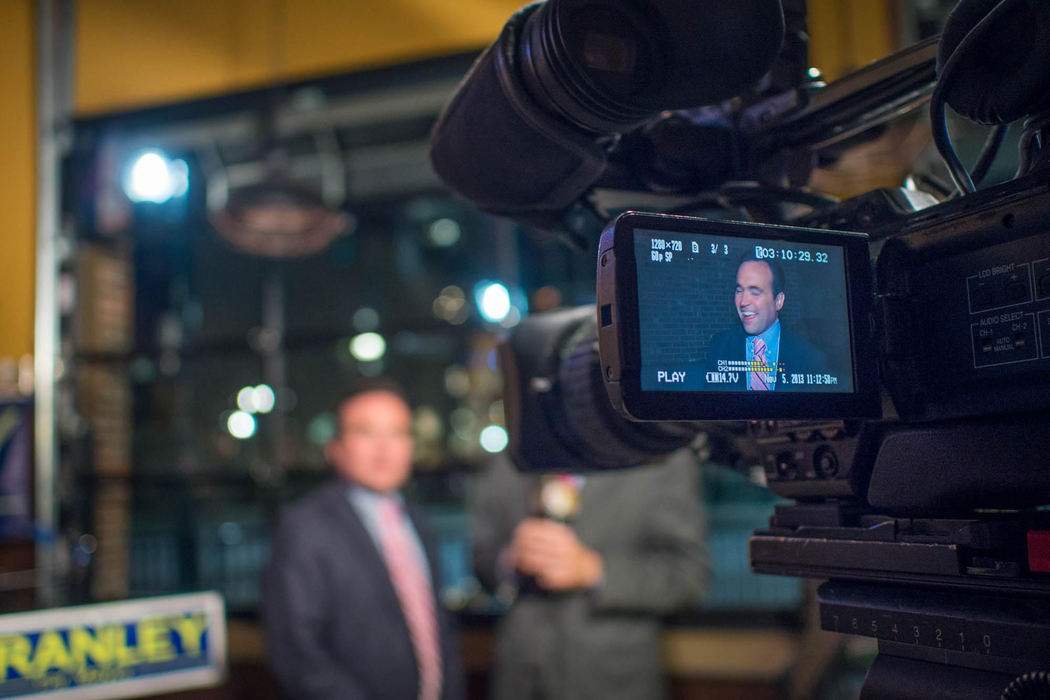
[(734, 314)]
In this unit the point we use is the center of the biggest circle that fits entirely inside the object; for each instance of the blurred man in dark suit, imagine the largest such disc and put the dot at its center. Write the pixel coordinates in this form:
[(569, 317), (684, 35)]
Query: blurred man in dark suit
[(761, 344), (351, 593)]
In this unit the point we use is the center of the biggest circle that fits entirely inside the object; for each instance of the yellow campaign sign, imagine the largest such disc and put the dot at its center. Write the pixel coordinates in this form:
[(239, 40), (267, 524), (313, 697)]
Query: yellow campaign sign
[(113, 650)]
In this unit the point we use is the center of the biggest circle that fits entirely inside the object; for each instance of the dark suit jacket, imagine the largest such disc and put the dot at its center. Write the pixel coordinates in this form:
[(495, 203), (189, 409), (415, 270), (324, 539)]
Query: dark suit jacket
[(647, 525), (796, 355), (334, 626)]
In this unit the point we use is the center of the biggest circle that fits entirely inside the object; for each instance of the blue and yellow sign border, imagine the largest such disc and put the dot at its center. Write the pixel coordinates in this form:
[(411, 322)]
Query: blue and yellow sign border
[(114, 650)]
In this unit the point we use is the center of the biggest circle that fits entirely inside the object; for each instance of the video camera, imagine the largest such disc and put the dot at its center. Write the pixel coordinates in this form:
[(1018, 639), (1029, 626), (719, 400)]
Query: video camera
[(900, 394)]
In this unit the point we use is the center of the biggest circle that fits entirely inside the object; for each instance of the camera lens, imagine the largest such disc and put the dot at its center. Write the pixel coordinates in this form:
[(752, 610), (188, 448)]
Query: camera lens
[(590, 420), (584, 60), (615, 50), (607, 54), (564, 421)]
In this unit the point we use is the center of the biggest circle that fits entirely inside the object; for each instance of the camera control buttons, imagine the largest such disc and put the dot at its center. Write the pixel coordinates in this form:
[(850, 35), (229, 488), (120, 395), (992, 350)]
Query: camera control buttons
[(787, 465), (826, 462)]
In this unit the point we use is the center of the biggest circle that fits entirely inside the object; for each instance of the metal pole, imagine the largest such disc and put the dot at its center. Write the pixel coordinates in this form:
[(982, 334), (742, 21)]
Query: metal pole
[(54, 72), (275, 366)]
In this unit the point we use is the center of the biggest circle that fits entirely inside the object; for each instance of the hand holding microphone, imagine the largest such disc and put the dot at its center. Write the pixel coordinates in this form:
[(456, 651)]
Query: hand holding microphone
[(550, 552)]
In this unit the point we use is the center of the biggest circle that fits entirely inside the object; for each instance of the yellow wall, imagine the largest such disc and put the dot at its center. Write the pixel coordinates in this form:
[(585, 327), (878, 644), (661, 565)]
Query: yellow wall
[(847, 34), (130, 53), (18, 183)]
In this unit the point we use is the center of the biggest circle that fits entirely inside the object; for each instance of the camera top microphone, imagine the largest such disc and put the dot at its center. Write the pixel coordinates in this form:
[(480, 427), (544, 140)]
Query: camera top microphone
[(566, 73)]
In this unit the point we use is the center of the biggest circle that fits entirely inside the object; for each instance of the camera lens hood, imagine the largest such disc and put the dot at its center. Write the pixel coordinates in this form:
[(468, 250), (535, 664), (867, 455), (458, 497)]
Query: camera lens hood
[(609, 65)]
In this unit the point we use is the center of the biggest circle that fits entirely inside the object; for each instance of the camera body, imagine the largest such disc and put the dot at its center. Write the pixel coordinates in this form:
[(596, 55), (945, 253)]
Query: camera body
[(900, 394), (957, 325), (961, 313)]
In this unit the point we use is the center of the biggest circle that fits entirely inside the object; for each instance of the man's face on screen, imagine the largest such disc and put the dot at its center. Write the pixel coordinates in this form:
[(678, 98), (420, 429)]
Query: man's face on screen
[(755, 303)]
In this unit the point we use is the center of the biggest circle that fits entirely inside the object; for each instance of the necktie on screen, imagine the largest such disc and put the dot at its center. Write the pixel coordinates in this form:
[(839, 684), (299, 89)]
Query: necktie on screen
[(417, 600), (757, 381)]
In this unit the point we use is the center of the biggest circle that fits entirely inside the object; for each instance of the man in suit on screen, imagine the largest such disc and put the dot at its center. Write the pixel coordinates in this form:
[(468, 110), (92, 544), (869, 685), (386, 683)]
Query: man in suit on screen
[(761, 353)]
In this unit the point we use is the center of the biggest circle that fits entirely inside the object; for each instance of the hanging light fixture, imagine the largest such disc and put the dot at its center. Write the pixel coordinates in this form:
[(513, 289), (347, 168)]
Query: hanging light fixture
[(281, 206)]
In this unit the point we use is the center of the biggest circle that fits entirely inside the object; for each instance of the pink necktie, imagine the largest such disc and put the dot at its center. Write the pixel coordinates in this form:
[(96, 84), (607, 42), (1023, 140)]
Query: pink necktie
[(417, 600), (757, 380)]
